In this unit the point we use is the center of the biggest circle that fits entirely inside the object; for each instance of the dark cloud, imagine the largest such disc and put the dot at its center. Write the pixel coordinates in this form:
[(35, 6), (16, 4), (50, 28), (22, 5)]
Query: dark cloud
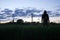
[(7, 11), (58, 9), (57, 15), (20, 12), (2, 16), (50, 13)]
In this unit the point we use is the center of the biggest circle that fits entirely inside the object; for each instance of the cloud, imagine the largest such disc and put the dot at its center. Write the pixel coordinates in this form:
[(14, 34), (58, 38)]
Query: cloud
[(35, 12), (27, 12), (7, 11), (22, 12), (2, 16)]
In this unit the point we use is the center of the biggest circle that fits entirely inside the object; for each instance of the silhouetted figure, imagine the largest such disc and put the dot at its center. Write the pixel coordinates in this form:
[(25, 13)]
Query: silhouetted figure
[(19, 21), (45, 18)]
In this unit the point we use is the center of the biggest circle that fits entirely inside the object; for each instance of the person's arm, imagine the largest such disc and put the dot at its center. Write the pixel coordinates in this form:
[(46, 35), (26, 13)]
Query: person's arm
[(47, 17)]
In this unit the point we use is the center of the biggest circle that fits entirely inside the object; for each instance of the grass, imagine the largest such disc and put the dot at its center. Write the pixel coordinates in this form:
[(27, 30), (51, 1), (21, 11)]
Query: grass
[(29, 32)]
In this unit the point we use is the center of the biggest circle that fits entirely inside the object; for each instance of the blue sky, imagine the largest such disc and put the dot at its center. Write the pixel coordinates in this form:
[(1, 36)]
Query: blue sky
[(40, 4)]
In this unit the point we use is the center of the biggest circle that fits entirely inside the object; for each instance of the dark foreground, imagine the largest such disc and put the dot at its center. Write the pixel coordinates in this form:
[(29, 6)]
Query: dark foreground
[(29, 32)]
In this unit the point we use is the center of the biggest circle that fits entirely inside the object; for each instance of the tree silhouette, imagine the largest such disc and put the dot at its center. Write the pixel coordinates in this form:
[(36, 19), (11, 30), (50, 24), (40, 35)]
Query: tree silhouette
[(20, 21)]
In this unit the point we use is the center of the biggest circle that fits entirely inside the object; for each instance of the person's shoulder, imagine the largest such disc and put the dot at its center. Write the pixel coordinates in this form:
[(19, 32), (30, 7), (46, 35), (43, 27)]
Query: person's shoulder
[(46, 14)]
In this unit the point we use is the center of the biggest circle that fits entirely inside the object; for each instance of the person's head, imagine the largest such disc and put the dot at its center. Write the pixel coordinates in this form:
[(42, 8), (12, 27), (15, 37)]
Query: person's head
[(45, 12)]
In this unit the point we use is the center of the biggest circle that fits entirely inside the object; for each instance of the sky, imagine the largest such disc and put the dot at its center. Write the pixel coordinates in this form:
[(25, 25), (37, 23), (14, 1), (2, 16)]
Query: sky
[(40, 4)]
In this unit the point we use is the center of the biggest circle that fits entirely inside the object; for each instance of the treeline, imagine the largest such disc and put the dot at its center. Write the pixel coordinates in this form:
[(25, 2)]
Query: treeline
[(20, 21)]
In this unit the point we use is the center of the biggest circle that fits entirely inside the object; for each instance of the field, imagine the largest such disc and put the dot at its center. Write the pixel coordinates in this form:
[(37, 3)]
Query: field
[(29, 31)]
